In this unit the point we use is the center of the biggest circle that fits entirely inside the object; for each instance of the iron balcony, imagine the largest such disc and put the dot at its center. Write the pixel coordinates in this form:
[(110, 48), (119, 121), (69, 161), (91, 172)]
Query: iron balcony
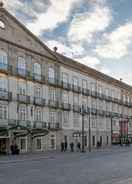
[(54, 126), (5, 95), (53, 103), (39, 101), (85, 92), (65, 85), (76, 108), (76, 88), (23, 98), (66, 106)]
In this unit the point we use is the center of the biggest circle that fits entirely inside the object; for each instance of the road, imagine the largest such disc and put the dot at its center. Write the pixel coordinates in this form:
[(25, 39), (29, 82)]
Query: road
[(112, 166)]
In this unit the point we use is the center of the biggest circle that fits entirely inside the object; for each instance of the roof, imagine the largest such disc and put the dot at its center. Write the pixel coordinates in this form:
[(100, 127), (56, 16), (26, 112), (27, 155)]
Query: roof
[(72, 63)]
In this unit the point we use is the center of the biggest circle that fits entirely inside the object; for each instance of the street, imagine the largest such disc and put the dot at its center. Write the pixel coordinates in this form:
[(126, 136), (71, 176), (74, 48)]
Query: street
[(109, 166)]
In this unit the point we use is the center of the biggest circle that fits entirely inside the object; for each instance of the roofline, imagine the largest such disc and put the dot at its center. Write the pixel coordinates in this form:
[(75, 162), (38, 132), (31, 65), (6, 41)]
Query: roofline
[(75, 64)]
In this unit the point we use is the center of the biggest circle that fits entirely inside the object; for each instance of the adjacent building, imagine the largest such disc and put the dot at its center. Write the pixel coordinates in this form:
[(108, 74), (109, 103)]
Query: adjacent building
[(42, 94)]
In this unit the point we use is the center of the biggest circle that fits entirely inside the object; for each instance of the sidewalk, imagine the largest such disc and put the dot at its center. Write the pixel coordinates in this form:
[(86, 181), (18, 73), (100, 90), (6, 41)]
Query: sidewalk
[(53, 154)]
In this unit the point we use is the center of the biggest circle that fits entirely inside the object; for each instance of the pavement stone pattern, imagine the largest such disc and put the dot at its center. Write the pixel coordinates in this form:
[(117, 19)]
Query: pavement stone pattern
[(109, 166)]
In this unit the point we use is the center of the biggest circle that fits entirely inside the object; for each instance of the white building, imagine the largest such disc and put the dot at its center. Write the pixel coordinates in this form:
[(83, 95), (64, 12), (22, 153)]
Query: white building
[(42, 93)]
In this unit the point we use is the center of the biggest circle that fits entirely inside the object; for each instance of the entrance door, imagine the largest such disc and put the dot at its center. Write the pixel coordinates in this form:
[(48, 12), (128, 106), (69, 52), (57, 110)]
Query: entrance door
[(2, 146)]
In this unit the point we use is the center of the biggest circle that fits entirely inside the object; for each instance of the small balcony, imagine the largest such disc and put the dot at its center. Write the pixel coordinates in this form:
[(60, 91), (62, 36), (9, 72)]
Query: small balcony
[(24, 123), (76, 89), (5, 68), (94, 94), (38, 78), (54, 126), (5, 95), (39, 101), (76, 108), (53, 104), (53, 81), (39, 125), (23, 98), (93, 111), (107, 114), (65, 85), (85, 92), (66, 106), (101, 112)]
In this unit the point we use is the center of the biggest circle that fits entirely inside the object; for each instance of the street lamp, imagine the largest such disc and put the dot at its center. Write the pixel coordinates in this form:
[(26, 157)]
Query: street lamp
[(83, 138)]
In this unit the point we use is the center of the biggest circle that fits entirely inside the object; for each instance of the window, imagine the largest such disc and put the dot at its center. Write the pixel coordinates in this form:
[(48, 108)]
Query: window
[(2, 24), (37, 71), (92, 86), (75, 81), (84, 84), (22, 113), (75, 99), (38, 143), (38, 114), (3, 84), (52, 94), (100, 89), (52, 117), (22, 88), (51, 73), (65, 97), (3, 112), (65, 118), (76, 119), (21, 66), (3, 60), (37, 92), (65, 77)]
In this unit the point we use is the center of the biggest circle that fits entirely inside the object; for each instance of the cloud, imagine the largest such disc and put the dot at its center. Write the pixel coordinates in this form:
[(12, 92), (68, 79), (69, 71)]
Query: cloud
[(116, 44), (58, 12), (84, 26)]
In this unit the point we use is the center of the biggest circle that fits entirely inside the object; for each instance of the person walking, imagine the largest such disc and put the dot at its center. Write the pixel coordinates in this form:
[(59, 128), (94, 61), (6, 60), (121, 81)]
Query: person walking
[(72, 146), (65, 146), (78, 146), (62, 146)]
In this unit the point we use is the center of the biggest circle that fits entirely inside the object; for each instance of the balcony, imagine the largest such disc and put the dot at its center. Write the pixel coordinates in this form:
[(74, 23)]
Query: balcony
[(94, 94), (24, 123), (3, 123), (39, 101), (5, 68), (93, 111), (54, 126), (107, 113), (76, 89), (65, 85), (85, 92), (76, 108), (66, 106), (53, 81), (23, 98), (39, 125), (101, 112), (5, 95), (53, 104), (37, 77)]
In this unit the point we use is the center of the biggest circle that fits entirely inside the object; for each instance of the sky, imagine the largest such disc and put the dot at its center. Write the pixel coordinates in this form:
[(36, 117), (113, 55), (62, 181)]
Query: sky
[(97, 33)]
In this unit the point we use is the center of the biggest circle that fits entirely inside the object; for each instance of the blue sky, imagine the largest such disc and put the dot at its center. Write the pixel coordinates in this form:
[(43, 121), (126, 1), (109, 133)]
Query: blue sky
[(97, 33)]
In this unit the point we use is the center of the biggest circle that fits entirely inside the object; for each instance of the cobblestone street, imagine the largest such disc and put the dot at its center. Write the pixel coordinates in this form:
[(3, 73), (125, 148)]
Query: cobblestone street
[(108, 166)]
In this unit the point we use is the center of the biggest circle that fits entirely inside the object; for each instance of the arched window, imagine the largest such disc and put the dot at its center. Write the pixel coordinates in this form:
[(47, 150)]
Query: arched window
[(51, 74), (37, 71), (22, 113), (3, 60), (3, 84), (21, 66), (38, 114), (2, 24)]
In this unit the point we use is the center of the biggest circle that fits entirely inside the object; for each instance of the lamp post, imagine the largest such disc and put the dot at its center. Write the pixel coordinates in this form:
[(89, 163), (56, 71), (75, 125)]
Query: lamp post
[(89, 130), (83, 139)]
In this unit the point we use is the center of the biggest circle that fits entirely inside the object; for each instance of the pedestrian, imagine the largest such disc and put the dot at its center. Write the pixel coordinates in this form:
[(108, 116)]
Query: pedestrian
[(65, 146), (78, 146), (72, 146), (62, 146)]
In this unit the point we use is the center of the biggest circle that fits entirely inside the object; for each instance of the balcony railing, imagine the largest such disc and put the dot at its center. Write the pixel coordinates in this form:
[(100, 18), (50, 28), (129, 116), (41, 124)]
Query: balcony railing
[(23, 98), (55, 126), (76, 88), (5, 68), (66, 106), (66, 85), (53, 103), (3, 123), (5, 95), (37, 77), (85, 92), (94, 94), (76, 108), (93, 111), (53, 81), (39, 101), (24, 123)]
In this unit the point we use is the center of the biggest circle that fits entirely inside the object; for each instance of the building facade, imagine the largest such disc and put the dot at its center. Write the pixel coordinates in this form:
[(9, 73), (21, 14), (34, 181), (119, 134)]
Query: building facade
[(42, 94)]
